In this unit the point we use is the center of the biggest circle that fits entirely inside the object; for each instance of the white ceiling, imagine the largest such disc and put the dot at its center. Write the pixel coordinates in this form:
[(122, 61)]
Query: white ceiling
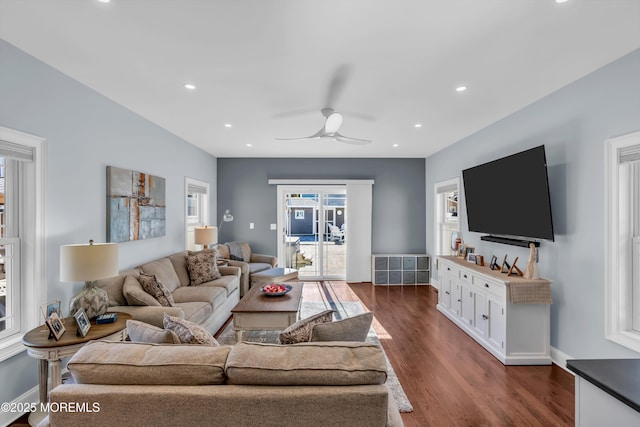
[(265, 66)]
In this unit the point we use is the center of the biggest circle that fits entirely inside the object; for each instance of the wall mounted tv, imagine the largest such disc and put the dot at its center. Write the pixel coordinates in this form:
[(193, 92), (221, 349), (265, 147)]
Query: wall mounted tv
[(509, 198)]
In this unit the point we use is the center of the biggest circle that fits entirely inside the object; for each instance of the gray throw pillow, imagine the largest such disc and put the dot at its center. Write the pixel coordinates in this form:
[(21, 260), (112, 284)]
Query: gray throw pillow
[(188, 332), (301, 330), (353, 328)]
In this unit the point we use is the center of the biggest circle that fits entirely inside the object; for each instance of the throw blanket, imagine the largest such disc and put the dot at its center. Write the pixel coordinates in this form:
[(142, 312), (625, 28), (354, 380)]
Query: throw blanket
[(235, 251)]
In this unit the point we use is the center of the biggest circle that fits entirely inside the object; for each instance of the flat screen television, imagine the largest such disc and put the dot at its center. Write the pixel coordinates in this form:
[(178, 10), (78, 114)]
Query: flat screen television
[(509, 197)]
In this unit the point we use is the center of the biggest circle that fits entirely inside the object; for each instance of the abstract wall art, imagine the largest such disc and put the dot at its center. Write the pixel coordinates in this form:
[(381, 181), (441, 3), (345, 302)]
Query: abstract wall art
[(136, 207)]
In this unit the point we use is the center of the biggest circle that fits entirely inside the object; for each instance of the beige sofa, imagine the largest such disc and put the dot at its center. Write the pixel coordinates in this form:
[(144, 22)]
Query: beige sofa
[(255, 264), (208, 304), (249, 384)]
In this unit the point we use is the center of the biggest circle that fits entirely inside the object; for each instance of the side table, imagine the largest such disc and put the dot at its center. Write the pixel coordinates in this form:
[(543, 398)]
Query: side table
[(49, 352)]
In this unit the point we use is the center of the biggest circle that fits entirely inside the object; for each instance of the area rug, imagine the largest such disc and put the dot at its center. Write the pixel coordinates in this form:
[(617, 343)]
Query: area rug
[(341, 311)]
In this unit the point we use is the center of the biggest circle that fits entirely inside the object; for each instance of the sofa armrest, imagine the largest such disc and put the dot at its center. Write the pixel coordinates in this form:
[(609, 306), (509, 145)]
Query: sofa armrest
[(152, 315), (229, 270), (267, 259)]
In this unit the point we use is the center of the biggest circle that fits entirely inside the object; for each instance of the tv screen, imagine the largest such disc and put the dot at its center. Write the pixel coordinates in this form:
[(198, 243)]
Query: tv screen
[(510, 196)]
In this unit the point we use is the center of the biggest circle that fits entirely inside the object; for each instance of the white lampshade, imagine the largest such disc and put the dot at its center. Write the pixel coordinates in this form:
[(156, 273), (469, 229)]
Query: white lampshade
[(88, 262), (206, 235)]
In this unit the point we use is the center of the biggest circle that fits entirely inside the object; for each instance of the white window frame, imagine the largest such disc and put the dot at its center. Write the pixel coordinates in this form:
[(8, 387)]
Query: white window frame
[(619, 286), (32, 249), (202, 218)]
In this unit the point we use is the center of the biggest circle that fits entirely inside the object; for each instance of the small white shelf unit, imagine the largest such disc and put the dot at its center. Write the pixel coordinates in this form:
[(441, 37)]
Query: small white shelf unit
[(400, 269)]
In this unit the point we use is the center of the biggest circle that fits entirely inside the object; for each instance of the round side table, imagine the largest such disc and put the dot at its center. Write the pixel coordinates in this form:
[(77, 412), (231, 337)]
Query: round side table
[(49, 352)]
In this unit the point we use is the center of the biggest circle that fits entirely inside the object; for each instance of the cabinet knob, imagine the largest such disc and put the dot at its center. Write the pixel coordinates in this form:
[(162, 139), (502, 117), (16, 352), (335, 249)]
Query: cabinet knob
[(465, 276), (448, 268), (485, 317), (486, 285), (459, 300), (446, 292)]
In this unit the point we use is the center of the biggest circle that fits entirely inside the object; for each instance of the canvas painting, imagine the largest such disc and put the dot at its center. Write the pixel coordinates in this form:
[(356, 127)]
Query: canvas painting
[(136, 207)]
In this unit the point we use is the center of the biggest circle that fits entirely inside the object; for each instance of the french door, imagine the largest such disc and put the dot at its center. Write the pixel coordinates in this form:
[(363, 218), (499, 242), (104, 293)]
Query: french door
[(312, 232)]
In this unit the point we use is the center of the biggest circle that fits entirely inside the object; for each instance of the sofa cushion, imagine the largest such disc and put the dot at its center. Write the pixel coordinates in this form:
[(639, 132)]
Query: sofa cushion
[(202, 267), (188, 332), (223, 251), (256, 267), (216, 296), (335, 363), (196, 312), (353, 328), (163, 270), (156, 289), (135, 294), (144, 332), (127, 363), (114, 287), (228, 283), (300, 331), (179, 261)]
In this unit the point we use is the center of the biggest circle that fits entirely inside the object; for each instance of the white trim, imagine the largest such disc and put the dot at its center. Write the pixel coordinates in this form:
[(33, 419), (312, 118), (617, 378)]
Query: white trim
[(30, 396), (560, 359), (617, 324), (190, 183), (33, 247), (320, 181)]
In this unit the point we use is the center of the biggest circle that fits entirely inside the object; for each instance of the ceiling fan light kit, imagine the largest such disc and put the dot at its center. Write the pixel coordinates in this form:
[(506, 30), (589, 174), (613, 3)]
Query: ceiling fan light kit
[(332, 123)]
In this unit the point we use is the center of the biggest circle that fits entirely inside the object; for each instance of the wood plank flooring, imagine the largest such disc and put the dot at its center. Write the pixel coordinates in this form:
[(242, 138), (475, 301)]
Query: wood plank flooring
[(449, 378)]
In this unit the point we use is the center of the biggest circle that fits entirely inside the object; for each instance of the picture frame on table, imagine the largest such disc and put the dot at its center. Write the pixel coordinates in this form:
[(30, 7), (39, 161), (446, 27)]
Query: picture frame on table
[(82, 321), (462, 250), (471, 257), (49, 308), (468, 250), (494, 263), (480, 260), (55, 325)]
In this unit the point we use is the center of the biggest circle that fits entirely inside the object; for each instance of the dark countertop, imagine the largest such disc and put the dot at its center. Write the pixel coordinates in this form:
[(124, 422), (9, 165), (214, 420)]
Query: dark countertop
[(618, 377)]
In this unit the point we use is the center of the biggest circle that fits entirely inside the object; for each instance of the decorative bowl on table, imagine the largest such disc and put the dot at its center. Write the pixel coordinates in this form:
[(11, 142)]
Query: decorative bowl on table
[(275, 289)]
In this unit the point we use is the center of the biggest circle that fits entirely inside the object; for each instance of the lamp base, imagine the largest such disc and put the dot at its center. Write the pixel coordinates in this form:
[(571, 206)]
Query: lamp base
[(92, 298)]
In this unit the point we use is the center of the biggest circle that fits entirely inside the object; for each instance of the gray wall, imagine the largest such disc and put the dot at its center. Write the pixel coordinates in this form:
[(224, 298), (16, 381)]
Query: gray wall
[(85, 132), (573, 124), (398, 198)]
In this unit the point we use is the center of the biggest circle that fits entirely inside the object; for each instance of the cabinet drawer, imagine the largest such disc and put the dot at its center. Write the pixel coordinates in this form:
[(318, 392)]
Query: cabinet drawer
[(381, 277), (466, 276), (449, 269), (498, 290)]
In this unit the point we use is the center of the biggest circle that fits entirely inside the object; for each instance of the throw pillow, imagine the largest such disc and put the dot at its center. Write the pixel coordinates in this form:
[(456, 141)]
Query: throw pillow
[(202, 267), (144, 332), (156, 289), (301, 330), (353, 328), (188, 332), (135, 294)]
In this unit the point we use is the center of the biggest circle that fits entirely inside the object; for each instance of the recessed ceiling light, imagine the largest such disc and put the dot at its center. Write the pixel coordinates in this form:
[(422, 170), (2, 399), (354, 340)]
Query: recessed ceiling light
[(461, 88), (227, 125), (560, 1), (189, 86), (249, 145), (104, 1), (394, 145), (417, 125)]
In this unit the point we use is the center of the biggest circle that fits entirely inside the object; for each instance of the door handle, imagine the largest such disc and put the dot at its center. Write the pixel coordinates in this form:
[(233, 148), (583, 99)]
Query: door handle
[(485, 317)]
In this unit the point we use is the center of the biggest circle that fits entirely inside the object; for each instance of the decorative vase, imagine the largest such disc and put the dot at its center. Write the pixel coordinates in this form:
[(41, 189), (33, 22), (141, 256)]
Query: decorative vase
[(532, 266), (92, 298)]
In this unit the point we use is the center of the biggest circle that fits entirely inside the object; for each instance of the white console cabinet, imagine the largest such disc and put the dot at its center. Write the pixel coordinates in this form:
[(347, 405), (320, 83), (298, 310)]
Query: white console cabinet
[(476, 299)]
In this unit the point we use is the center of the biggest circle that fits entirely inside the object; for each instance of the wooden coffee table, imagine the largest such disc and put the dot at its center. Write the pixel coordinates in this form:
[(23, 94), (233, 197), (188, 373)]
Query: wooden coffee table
[(258, 312)]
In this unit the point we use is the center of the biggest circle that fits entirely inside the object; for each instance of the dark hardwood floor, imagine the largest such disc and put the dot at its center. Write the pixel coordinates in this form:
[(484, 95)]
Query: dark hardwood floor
[(449, 378)]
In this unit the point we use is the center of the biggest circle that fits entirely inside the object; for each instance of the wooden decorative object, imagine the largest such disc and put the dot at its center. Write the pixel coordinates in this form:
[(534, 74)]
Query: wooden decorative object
[(531, 272), (517, 271)]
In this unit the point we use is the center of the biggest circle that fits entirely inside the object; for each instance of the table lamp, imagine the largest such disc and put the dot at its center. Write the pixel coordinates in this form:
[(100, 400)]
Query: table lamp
[(206, 236), (88, 263)]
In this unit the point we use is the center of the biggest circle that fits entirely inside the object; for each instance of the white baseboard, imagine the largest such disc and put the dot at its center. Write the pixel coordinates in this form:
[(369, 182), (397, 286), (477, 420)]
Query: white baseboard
[(560, 359), (435, 283), (31, 396)]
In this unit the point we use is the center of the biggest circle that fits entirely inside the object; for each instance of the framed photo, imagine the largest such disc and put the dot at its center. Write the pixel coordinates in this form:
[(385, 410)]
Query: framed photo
[(480, 260), (494, 263), (468, 250), (55, 326), (49, 308), (471, 257), (83, 322), (462, 250)]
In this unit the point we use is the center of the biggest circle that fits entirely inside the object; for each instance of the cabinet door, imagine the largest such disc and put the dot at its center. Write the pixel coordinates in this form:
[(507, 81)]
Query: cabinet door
[(444, 294), (480, 315), (497, 324), (456, 301), (466, 296)]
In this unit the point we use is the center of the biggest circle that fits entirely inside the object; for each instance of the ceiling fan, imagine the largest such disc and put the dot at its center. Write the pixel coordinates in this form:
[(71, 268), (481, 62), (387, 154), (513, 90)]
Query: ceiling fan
[(333, 119)]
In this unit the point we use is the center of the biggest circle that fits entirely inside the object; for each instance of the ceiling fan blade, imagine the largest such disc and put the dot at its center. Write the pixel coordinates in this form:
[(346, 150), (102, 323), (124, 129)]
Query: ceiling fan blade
[(336, 85), (348, 140), (316, 135)]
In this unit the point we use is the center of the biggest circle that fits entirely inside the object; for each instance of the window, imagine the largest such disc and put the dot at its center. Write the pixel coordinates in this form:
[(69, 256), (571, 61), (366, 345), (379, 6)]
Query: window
[(622, 234), (21, 237), (446, 214), (197, 212)]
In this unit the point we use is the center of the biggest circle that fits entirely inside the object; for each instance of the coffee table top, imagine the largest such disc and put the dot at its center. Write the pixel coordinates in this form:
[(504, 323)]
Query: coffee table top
[(255, 302), (39, 336)]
